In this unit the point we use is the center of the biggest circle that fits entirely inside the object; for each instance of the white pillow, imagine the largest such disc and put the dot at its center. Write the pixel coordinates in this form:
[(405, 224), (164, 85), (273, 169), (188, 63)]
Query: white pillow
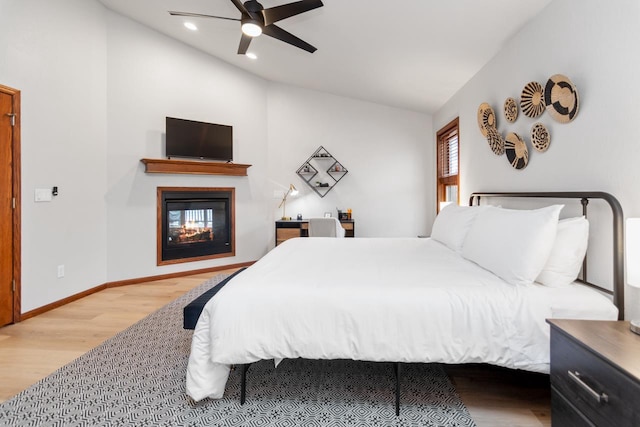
[(565, 259), (452, 225), (512, 244)]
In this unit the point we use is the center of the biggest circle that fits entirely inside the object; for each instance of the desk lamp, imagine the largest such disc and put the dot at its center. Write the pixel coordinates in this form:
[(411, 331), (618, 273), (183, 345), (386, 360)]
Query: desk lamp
[(633, 260), (293, 191)]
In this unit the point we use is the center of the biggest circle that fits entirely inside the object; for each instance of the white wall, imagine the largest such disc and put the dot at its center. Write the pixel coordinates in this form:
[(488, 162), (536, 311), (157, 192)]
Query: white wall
[(595, 44), (276, 127), (62, 78), (151, 76), (96, 88), (387, 152)]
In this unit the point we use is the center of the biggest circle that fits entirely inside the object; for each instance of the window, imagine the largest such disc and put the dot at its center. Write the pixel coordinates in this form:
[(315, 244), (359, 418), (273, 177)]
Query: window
[(448, 164)]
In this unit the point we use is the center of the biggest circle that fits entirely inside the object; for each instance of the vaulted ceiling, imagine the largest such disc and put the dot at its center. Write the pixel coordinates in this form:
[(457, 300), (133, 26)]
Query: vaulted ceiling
[(411, 54)]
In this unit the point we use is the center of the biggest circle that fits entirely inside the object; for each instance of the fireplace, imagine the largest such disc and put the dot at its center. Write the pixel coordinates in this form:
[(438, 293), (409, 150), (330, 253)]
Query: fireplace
[(195, 224)]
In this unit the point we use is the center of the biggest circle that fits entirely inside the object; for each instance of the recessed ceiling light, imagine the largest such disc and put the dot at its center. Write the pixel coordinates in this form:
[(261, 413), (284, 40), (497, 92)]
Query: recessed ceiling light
[(191, 26), (252, 55)]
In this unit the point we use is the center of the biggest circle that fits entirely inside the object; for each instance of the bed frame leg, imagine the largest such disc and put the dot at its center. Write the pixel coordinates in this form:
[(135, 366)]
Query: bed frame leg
[(243, 382), (397, 372)]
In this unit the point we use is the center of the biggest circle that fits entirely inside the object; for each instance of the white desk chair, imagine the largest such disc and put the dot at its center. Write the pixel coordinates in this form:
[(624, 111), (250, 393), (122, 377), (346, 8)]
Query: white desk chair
[(325, 227)]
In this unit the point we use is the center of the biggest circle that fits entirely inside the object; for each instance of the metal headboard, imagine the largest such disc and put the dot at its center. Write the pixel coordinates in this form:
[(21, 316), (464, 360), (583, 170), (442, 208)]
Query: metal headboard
[(618, 233)]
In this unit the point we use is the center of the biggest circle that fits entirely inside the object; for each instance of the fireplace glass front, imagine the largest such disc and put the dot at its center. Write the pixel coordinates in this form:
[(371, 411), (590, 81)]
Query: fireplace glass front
[(195, 225)]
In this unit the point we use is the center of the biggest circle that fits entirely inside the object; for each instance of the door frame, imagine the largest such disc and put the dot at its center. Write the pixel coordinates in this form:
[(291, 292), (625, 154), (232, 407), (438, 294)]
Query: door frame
[(16, 188)]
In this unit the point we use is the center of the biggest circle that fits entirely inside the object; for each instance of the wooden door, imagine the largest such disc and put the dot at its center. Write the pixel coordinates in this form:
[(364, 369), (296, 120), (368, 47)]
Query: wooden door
[(9, 214)]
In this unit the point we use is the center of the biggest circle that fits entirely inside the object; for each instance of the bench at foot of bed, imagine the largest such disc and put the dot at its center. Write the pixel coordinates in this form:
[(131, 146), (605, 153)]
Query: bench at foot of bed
[(192, 311)]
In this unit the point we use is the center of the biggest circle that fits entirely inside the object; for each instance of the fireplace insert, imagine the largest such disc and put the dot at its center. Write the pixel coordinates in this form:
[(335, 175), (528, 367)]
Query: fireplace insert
[(195, 224)]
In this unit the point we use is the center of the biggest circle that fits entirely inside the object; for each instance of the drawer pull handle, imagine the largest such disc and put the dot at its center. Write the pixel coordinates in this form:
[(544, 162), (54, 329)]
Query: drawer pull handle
[(599, 397)]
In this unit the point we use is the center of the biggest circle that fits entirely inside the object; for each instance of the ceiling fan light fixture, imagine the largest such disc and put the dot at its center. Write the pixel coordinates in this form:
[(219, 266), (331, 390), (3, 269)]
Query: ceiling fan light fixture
[(251, 27), (255, 20)]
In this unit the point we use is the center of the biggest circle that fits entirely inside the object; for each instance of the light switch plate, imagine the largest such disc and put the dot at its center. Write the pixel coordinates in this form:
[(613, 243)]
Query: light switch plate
[(43, 195)]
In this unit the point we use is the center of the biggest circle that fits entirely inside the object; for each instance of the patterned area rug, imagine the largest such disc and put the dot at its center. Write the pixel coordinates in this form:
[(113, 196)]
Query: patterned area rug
[(137, 378)]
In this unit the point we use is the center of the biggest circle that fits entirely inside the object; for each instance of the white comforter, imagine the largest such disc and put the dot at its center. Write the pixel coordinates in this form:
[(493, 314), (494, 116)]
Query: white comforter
[(401, 300)]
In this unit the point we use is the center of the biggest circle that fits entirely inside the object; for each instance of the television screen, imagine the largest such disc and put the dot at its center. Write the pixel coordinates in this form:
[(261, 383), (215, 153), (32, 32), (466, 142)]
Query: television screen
[(188, 138)]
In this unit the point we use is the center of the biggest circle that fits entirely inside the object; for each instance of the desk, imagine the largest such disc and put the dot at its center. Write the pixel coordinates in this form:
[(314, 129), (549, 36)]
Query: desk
[(300, 228)]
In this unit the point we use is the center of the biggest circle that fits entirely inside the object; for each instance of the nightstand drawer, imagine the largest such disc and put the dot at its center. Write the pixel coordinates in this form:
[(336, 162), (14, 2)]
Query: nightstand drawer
[(564, 414), (582, 378)]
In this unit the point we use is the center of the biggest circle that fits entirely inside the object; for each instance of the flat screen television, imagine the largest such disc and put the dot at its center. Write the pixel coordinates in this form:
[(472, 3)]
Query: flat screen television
[(188, 138)]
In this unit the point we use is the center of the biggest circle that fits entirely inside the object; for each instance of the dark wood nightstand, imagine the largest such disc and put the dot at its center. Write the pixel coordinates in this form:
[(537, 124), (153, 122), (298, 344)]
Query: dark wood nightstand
[(595, 374)]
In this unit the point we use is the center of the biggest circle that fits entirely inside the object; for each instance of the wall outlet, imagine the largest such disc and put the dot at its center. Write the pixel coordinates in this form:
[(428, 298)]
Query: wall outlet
[(60, 271)]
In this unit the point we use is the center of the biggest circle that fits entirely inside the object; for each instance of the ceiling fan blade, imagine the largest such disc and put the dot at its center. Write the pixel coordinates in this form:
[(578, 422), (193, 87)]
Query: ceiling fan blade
[(199, 15), (238, 4), (244, 44), (277, 13), (280, 34)]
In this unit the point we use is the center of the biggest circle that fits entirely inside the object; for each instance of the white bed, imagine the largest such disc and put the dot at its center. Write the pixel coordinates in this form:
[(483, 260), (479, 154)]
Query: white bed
[(395, 300)]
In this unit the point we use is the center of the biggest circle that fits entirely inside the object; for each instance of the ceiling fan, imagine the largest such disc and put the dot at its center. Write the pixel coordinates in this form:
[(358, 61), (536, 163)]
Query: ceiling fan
[(257, 20)]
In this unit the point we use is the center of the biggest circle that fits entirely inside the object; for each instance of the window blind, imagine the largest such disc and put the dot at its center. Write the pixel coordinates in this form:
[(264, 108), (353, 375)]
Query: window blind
[(448, 154)]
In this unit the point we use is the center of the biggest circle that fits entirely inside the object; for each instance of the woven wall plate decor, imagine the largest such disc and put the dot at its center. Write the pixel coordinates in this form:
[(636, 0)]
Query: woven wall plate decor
[(561, 98), (540, 137), (510, 110), (516, 151), (496, 141), (532, 100), (486, 118)]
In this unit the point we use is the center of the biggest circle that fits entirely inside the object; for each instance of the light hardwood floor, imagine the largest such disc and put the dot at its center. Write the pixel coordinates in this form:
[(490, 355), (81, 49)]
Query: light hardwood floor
[(33, 349), (500, 397)]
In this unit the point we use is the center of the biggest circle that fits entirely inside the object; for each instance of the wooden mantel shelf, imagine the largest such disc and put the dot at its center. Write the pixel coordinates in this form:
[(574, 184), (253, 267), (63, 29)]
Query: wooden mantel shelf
[(194, 167)]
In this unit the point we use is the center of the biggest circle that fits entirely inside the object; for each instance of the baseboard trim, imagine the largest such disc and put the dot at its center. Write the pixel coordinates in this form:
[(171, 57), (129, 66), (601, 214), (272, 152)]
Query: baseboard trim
[(75, 297)]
